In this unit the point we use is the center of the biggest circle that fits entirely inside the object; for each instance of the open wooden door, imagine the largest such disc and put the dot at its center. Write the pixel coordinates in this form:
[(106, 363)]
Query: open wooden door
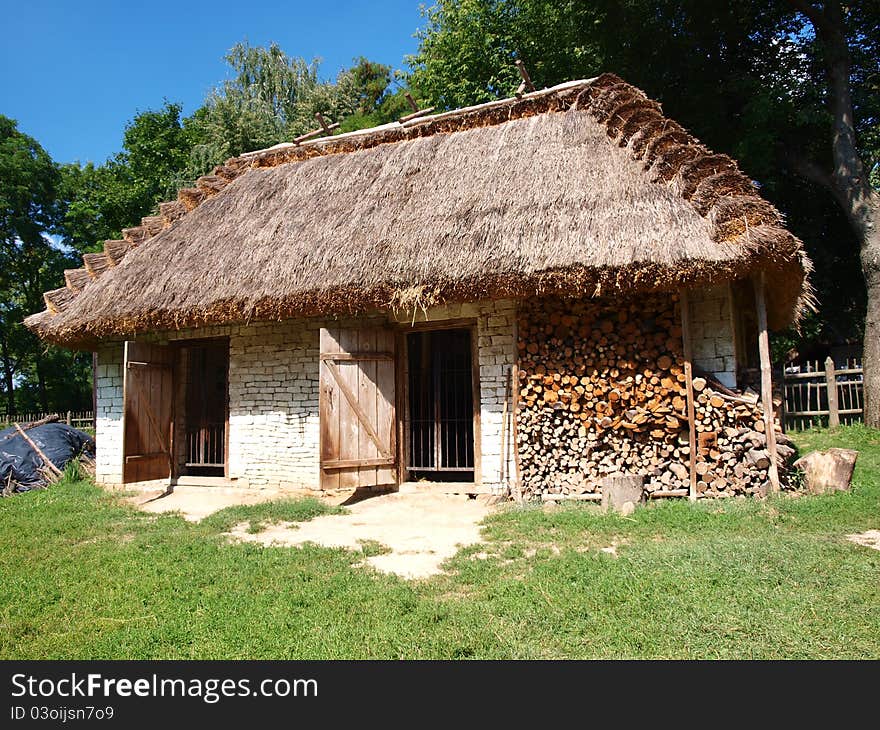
[(358, 446), (148, 395)]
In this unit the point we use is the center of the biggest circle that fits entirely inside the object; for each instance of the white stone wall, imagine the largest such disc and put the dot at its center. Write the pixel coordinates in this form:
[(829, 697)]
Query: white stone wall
[(712, 332), (108, 432), (273, 393)]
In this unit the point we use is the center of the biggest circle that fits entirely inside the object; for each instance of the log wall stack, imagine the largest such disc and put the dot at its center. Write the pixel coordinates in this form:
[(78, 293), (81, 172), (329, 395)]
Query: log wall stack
[(602, 390)]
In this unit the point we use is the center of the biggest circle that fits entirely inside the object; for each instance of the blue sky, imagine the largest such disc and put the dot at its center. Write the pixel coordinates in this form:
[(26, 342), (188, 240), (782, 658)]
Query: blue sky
[(73, 73)]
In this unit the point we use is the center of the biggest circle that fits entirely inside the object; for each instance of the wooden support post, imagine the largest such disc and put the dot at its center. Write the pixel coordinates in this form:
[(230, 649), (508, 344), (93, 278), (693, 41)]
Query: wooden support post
[(766, 379), (504, 475), (69, 418), (517, 478), (831, 385), (95, 391), (689, 384), (411, 101)]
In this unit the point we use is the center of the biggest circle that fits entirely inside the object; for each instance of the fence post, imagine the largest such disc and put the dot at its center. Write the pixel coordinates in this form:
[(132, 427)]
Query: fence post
[(69, 419), (831, 386)]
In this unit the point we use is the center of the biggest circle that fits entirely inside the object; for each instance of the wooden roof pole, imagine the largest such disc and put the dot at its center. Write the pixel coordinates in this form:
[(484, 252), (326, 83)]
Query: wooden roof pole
[(766, 379), (689, 384), (526, 84)]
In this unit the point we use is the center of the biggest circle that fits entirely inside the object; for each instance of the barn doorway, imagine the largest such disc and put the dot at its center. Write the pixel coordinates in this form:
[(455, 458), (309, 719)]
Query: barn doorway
[(440, 407), (206, 398)]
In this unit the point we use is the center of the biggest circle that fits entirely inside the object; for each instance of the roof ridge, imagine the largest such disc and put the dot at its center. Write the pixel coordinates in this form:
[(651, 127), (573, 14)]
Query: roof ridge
[(207, 186)]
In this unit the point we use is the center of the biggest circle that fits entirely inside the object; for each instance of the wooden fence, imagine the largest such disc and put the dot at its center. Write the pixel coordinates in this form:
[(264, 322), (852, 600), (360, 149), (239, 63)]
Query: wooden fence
[(77, 419), (826, 397)]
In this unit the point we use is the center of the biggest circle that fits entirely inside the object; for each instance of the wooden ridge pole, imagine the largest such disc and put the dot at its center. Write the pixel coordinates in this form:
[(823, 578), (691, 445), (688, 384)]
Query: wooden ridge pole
[(687, 347), (766, 379)]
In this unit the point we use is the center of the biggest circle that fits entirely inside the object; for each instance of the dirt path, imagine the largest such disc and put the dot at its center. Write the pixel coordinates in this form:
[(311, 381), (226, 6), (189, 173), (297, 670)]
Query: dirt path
[(421, 530), (870, 539)]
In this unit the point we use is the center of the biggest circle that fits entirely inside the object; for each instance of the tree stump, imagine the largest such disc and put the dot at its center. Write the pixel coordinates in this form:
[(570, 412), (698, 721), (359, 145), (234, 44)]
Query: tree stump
[(622, 492), (828, 471)]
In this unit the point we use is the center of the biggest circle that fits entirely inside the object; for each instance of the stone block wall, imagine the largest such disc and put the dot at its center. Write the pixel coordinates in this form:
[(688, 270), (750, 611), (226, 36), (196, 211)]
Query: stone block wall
[(108, 431), (274, 386), (712, 332)]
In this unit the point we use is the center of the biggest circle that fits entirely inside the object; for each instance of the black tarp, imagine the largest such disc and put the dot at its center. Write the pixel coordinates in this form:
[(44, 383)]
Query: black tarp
[(58, 441)]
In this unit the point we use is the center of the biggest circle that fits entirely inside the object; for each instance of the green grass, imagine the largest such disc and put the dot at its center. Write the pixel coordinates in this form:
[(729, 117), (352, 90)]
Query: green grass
[(84, 575), (259, 516)]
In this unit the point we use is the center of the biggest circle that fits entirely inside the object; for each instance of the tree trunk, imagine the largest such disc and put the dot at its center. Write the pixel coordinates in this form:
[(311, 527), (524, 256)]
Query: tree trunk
[(41, 384), (8, 377), (850, 184), (871, 361)]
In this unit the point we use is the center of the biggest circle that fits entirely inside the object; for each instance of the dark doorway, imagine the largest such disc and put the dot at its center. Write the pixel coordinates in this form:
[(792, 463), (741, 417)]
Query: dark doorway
[(441, 405), (206, 397)]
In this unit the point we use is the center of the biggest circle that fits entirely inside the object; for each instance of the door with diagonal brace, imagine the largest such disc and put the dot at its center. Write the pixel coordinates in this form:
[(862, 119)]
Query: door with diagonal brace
[(358, 447), (148, 396)]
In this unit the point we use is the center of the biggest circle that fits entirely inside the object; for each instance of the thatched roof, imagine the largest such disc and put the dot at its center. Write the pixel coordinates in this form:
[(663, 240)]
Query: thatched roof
[(579, 190)]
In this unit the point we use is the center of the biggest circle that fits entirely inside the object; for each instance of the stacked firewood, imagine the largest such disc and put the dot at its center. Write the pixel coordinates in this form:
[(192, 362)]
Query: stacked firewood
[(602, 389)]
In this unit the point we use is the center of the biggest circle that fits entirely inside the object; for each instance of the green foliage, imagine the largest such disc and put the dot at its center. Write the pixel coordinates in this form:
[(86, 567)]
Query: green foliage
[(270, 97), (730, 579), (99, 201), (30, 263)]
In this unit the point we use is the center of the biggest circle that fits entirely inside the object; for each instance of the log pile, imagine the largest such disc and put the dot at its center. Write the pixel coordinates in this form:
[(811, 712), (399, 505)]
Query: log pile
[(602, 390)]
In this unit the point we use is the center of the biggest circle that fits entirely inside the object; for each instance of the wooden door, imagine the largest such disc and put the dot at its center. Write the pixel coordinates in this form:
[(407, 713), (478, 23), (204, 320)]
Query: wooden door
[(147, 397), (358, 447)]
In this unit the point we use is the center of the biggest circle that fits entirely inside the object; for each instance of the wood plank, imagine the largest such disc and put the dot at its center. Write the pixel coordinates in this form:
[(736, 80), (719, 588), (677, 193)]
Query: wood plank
[(689, 384), (357, 463), (347, 382), (136, 457), (766, 382), (386, 422), (350, 420), (402, 406), (366, 355), (328, 407), (365, 368), (148, 409)]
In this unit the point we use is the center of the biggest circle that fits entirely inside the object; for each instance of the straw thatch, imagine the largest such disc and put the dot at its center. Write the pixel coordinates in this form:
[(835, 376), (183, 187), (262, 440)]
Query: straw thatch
[(573, 191)]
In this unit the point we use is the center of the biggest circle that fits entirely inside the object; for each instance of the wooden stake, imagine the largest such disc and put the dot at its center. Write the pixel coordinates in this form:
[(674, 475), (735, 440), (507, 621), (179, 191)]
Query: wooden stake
[(689, 384), (831, 386), (324, 125), (49, 465), (766, 379), (411, 101)]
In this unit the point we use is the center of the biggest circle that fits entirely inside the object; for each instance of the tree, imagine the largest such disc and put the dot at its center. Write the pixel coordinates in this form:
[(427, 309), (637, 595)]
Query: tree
[(842, 33), (30, 262), (272, 97), (99, 201)]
